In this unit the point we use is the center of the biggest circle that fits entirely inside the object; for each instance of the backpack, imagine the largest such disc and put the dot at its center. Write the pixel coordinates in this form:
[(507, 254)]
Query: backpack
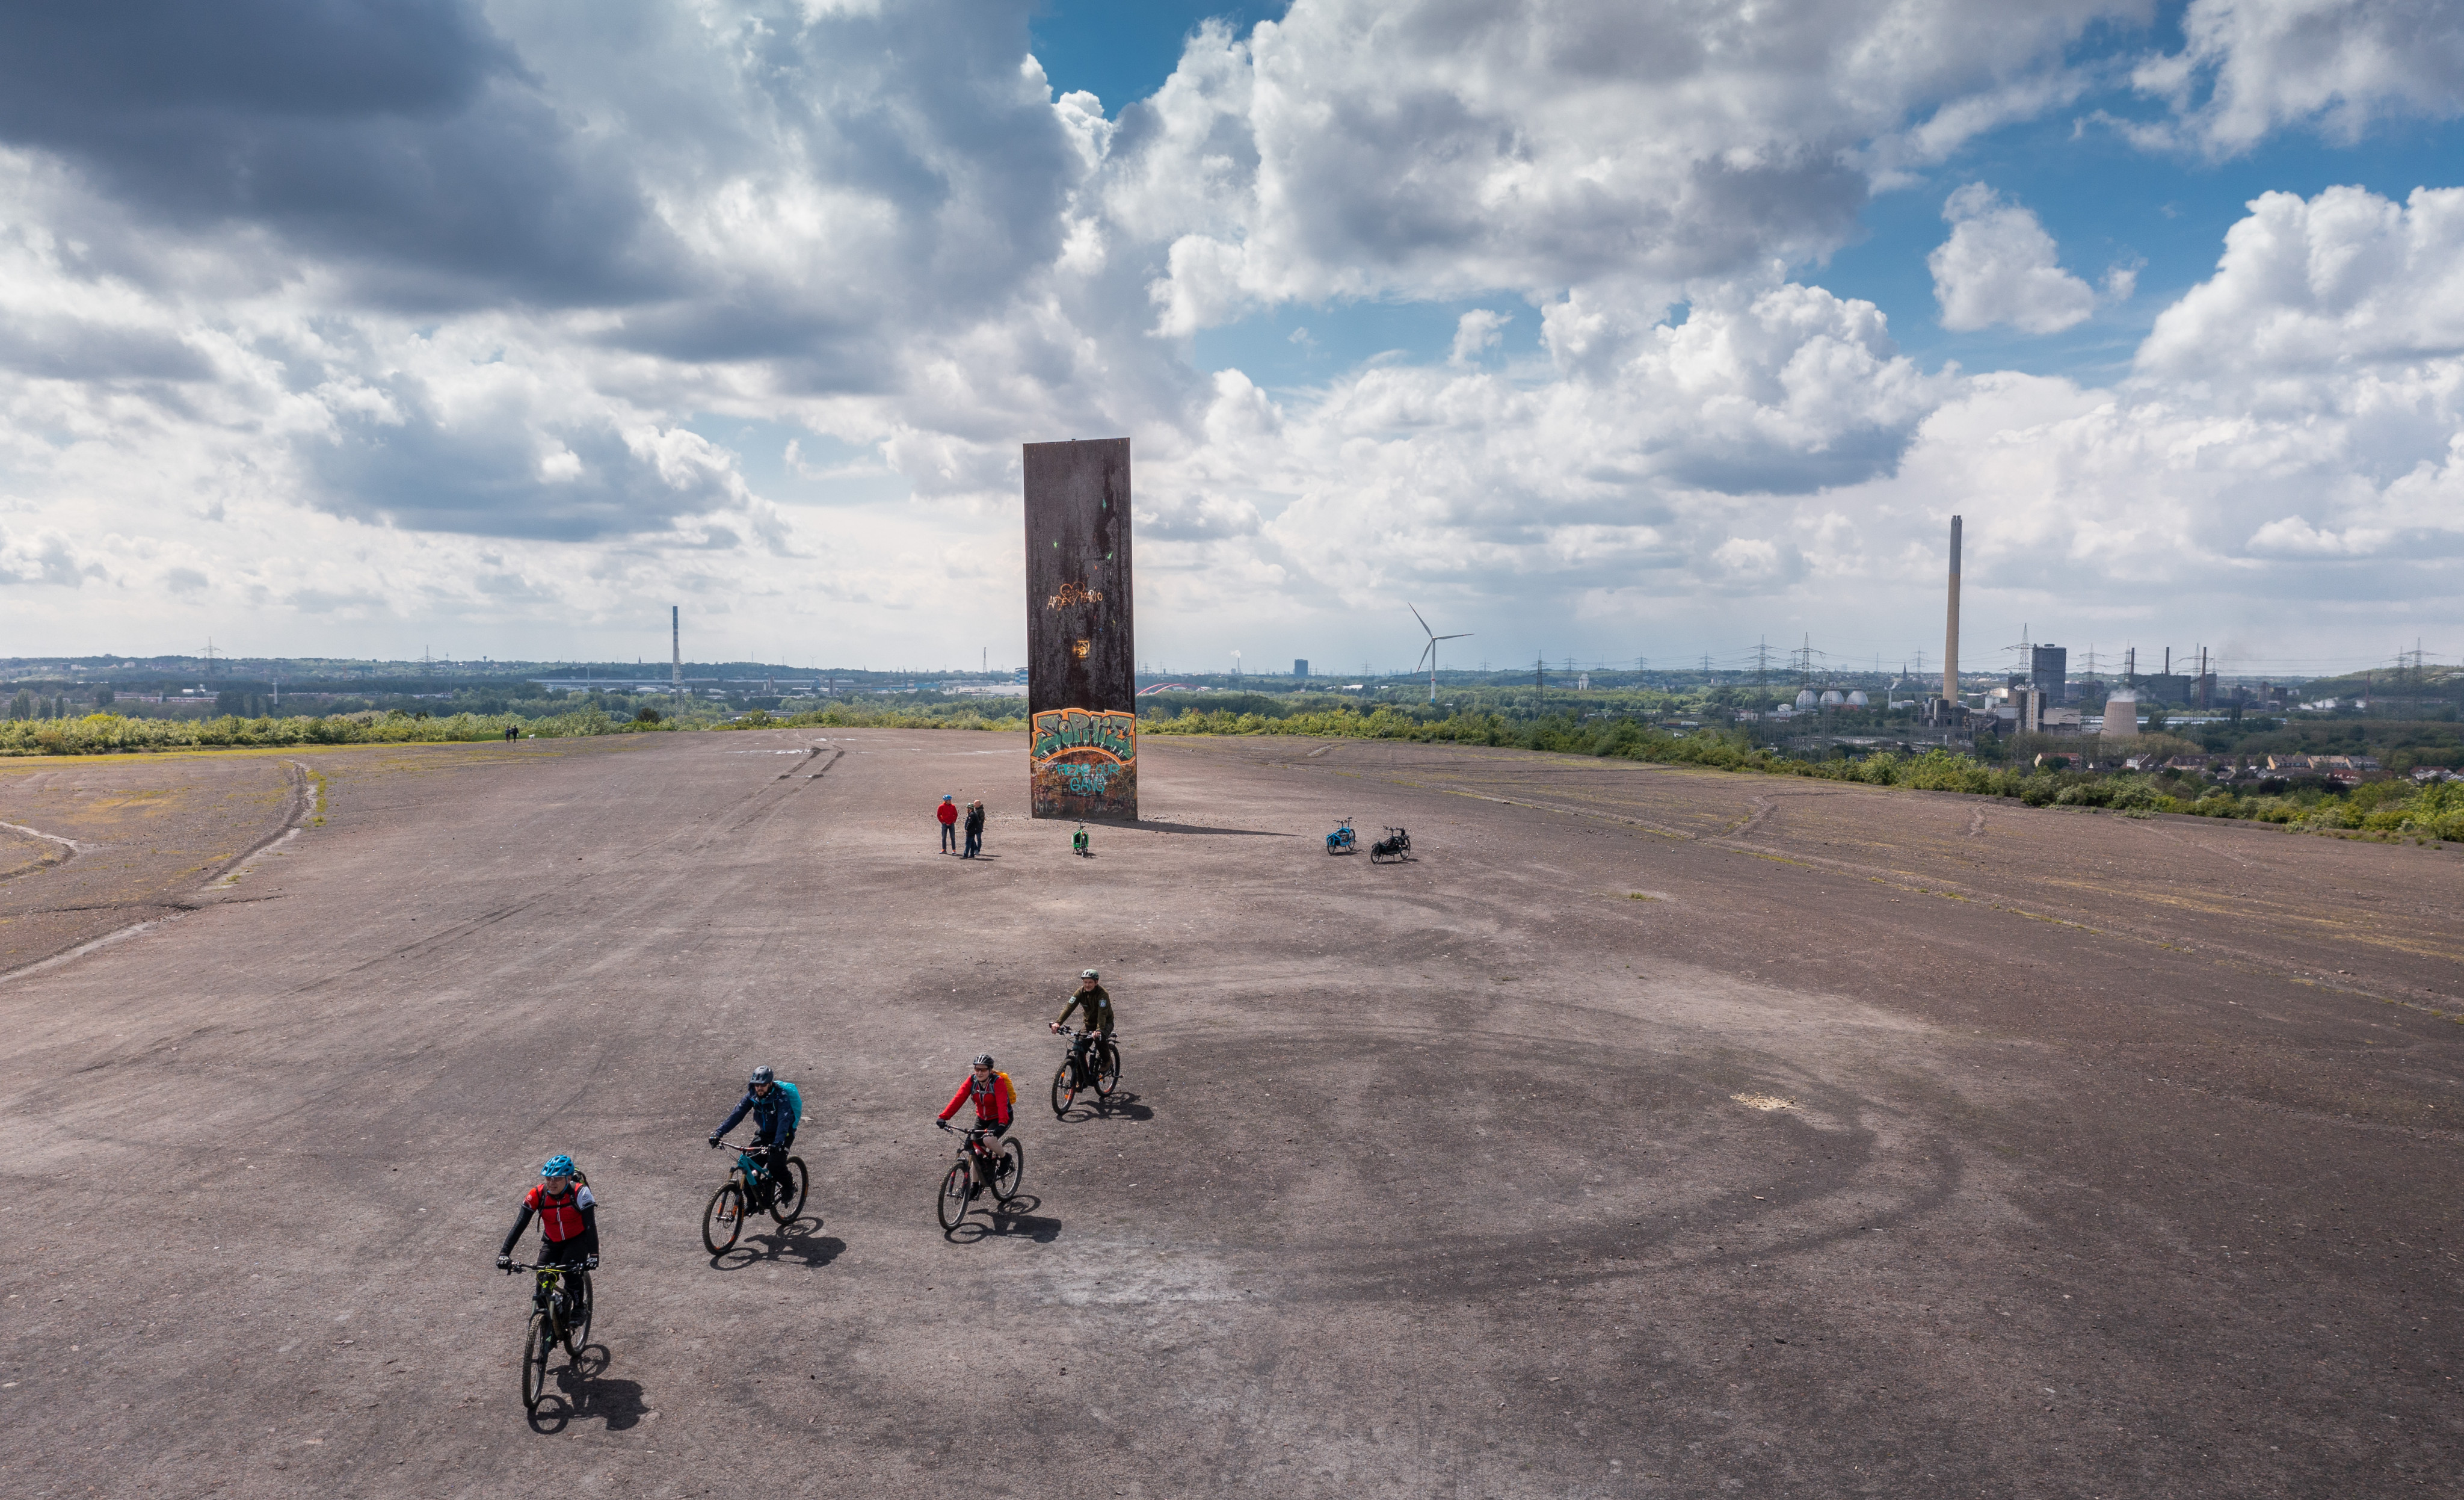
[(795, 1099)]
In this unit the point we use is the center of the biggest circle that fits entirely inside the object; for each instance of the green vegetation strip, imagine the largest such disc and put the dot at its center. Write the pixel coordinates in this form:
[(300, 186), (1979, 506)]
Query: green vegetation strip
[(2392, 808), (111, 733)]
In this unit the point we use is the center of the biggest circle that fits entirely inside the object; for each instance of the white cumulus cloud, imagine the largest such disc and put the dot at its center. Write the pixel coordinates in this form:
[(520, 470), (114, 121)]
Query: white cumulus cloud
[(2249, 66), (2345, 279), (1999, 266), (1429, 149), (493, 322)]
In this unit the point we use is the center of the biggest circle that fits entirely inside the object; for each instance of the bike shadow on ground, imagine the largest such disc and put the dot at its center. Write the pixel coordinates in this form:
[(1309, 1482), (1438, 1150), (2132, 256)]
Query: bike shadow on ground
[(581, 1392), (1015, 1220), (1147, 827), (1123, 1105), (793, 1241)]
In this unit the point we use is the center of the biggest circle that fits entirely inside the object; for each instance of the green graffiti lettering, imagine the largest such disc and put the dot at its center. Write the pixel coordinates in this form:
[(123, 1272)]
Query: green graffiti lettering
[(1060, 730)]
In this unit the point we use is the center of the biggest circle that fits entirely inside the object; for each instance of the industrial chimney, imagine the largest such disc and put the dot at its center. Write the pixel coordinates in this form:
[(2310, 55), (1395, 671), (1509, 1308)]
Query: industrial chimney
[(676, 636), (1950, 630)]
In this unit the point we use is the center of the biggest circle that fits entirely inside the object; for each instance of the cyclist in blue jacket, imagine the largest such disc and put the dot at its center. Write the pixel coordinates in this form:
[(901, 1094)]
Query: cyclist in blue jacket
[(774, 1106)]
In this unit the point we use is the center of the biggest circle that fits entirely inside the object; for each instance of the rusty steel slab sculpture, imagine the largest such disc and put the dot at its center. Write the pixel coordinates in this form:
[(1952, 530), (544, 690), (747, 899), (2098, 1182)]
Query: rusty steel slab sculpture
[(1081, 656)]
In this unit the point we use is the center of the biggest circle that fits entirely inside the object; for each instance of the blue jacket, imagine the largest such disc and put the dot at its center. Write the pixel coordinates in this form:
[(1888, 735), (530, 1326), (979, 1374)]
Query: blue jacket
[(774, 1119)]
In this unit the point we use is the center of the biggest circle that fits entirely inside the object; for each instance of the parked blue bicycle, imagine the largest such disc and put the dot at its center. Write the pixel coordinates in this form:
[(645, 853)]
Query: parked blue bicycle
[(1339, 842)]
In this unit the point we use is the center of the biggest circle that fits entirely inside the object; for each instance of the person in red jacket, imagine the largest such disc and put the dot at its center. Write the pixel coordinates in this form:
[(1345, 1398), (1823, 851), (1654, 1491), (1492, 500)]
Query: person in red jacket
[(995, 1098), (948, 813), (568, 1220)]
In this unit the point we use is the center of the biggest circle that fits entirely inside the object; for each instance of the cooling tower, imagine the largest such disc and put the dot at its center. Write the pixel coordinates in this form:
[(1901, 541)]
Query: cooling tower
[(2121, 715)]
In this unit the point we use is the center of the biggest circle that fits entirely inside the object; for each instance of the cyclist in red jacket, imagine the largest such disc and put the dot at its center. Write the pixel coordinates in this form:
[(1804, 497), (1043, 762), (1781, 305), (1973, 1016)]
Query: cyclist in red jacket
[(995, 1095), (568, 1218)]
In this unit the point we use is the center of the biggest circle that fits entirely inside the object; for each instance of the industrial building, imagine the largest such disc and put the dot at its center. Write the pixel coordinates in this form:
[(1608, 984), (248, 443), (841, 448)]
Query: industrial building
[(2049, 669)]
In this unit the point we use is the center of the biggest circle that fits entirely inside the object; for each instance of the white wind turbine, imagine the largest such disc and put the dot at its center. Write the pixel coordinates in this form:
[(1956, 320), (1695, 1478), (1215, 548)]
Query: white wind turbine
[(1430, 651)]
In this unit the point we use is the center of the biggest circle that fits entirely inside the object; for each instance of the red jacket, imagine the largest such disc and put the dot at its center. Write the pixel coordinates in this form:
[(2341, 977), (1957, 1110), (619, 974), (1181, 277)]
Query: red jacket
[(559, 1215), (948, 812), (993, 1098)]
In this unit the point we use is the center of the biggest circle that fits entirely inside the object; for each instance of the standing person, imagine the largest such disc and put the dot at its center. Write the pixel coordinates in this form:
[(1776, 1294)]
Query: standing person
[(948, 813), (1097, 1002), (975, 831)]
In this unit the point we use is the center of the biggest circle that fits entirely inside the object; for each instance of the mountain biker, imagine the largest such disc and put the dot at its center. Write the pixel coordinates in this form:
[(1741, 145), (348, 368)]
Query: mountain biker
[(1097, 1003), (994, 1096), (568, 1218), (774, 1106)]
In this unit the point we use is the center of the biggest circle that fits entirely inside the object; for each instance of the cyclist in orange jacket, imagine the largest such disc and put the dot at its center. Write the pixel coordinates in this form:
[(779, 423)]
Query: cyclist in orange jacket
[(995, 1098)]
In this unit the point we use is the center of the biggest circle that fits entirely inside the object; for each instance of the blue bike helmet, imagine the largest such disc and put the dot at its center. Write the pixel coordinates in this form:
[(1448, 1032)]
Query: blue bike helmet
[(761, 1075), (558, 1165)]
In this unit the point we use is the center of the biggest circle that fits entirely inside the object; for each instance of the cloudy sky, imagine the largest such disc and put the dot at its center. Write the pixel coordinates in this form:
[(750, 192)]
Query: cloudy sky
[(1602, 328)]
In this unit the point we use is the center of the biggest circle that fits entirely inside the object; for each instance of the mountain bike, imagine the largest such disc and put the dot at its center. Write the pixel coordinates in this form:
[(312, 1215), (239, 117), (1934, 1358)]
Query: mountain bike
[(560, 1314), (750, 1188), (1341, 840), (976, 1168), (1396, 844), (1100, 1069)]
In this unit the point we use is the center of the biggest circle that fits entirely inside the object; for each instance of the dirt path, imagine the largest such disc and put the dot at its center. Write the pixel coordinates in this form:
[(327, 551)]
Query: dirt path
[(102, 844)]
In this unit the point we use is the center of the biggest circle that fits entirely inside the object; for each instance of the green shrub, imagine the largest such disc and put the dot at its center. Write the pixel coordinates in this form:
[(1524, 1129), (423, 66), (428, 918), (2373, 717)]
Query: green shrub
[(108, 734)]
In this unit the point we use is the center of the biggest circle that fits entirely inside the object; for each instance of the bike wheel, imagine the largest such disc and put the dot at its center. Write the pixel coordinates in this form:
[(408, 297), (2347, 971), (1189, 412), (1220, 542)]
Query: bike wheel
[(1108, 1070), (576, 1311), (788, 1195), (1013, 1156), (1065, 1090), (723, 1220), (953, 1195), (536, 1344)]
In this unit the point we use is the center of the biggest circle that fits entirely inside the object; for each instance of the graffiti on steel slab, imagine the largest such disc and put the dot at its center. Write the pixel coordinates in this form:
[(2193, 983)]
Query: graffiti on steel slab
[(1085, 779), (1112, 735)]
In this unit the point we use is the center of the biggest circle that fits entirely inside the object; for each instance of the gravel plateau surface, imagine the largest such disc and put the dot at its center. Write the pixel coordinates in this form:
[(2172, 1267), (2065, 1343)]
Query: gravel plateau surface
[(1651, 1131)]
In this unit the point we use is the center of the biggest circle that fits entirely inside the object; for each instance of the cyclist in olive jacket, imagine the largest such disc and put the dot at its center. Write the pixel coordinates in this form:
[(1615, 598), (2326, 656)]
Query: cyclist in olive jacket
[(1092, 997)]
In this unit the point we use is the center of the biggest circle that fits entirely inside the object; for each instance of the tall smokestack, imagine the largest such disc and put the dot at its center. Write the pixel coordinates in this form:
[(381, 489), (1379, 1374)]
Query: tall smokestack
[(1950, 630), (676, 636)]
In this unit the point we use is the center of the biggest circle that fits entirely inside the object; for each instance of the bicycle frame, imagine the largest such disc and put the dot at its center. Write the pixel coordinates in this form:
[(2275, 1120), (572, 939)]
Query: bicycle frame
[(1083, 1066), (1080, 1071), (547, 1284), (971, 1151), (748, 1170)]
